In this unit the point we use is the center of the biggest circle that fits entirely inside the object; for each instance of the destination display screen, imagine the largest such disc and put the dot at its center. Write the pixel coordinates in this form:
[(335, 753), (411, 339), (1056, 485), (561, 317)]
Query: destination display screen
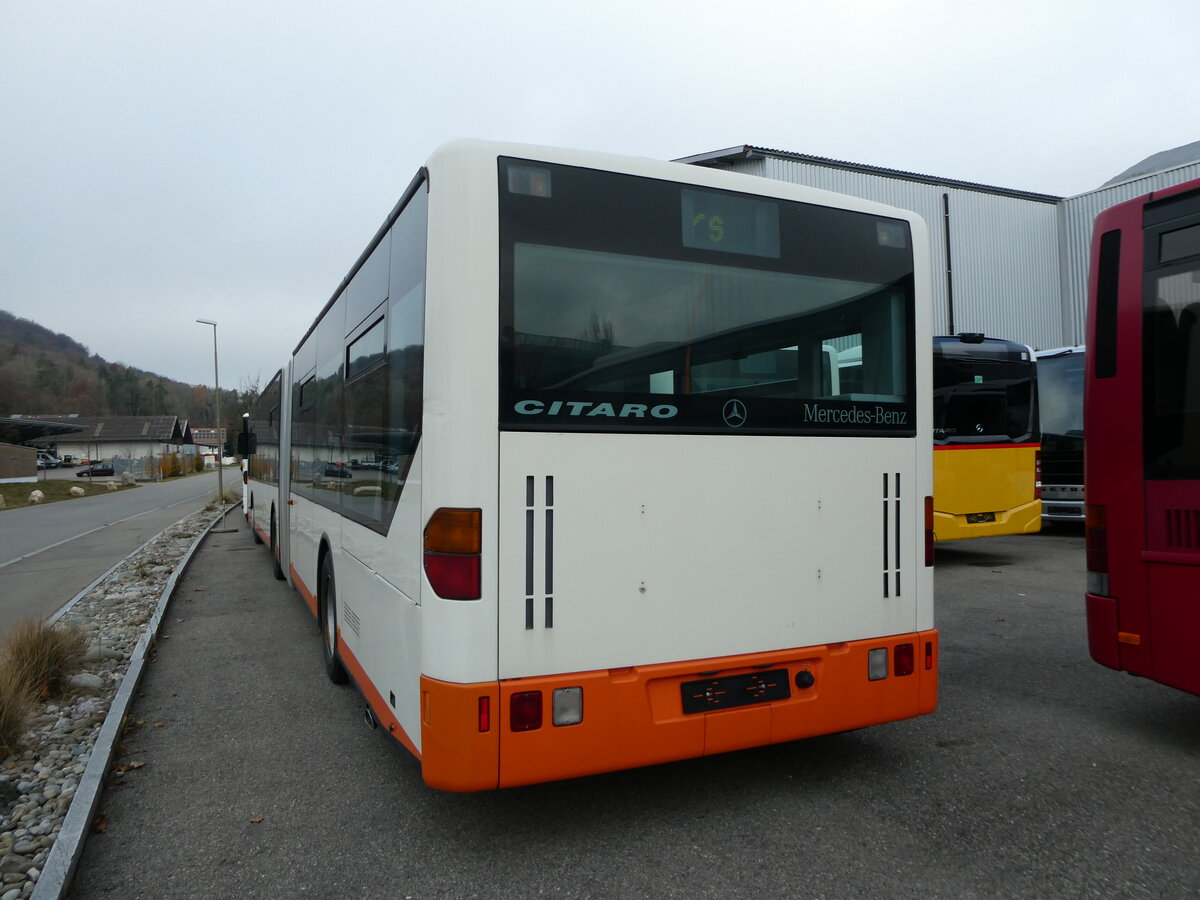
[(729, 223)]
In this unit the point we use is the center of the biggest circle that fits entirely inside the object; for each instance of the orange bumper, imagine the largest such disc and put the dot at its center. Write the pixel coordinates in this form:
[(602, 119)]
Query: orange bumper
[(634, 717)]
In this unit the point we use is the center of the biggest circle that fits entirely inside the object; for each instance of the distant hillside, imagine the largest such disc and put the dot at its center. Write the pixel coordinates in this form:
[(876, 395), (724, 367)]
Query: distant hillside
[(44, 373)]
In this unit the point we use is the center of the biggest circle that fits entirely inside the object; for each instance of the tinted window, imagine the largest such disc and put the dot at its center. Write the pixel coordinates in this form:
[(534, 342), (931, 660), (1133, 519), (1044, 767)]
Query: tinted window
[(1171, 336), (982, 392), (357, 415), (263, 464), (1060, 394), (629, 304)]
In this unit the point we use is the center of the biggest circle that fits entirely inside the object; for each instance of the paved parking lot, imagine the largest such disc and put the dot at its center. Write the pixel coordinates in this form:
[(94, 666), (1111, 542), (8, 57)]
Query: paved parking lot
[(1040, 775)]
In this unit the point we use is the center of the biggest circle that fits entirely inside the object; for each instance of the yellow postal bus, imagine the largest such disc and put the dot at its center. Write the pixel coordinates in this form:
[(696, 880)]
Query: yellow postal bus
[(986, 449)]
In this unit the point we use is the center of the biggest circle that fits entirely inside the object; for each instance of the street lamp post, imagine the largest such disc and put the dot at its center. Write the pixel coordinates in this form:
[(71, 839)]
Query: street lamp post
[(217, 393)]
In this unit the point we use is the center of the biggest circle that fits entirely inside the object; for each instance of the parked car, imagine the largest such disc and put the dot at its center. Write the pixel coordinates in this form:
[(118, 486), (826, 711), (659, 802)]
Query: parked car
[(337, 470), (47, 460), (99, 468)]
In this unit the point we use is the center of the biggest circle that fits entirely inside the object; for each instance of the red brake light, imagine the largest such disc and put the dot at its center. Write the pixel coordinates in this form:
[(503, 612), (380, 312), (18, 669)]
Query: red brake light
[(1096, 542), (453, 540), (525, 711), (485, 714), (928, 655), (903, 657), (453, 577), (1096, 538), (1037, 475)]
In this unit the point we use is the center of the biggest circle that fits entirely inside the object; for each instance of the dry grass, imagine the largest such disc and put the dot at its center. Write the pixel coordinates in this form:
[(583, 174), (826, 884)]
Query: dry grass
[(36, 660), (41, 656), (16, 708), (231, 496)]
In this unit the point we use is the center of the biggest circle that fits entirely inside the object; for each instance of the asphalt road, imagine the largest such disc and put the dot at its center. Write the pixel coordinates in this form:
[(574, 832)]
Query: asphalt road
[(1041, 774), (49, 553)]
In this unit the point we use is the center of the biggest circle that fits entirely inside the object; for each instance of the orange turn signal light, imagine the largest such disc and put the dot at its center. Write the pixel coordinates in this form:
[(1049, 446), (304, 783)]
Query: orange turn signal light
[(452, 530)]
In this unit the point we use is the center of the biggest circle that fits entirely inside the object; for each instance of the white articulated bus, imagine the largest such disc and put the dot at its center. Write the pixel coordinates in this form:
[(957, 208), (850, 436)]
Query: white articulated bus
[(566, 472)]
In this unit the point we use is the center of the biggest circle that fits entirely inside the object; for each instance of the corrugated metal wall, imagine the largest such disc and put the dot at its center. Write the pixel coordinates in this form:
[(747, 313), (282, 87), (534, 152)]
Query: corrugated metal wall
[(1076, 216), (1019, 264), (1004, 250)]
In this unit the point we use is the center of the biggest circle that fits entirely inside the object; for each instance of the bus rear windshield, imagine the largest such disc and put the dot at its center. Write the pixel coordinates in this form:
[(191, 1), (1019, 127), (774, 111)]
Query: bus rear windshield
[(982, 392), (629, 304), (1060, 394)]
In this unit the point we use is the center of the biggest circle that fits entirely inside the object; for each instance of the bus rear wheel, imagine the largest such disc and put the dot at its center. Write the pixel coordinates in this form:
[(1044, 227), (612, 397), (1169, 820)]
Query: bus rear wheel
[(328, 616)]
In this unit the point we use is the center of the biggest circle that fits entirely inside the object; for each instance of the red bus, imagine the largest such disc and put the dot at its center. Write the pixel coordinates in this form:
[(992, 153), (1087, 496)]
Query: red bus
[(1142, 457)]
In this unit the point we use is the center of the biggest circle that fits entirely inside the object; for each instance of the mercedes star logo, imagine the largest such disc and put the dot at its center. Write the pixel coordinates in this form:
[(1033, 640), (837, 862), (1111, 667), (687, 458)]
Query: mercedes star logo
[(734, 413)]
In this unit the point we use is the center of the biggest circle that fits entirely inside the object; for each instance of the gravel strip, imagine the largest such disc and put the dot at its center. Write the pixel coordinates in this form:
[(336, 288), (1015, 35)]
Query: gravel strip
[(49, 789)]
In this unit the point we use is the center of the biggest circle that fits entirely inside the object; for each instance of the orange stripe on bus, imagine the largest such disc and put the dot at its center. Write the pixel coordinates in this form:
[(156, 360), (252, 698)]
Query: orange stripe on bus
[(633, 716), (384, 714), (304, 591)]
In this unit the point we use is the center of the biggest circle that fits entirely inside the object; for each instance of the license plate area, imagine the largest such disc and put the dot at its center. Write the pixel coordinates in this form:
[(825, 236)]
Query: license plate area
[(730, 691), (980, 518)]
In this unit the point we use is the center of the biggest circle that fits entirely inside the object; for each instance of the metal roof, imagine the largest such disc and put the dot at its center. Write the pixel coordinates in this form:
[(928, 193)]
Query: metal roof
[(21, 430), (747, 151), (167, 429), (1160, 162)]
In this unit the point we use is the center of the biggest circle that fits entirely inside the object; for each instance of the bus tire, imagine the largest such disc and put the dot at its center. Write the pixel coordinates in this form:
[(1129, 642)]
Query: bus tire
[(328, 610), (275, 550)]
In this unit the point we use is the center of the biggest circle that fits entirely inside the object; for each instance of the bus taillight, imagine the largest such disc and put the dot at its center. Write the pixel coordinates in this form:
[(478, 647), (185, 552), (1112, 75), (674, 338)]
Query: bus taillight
[(525, 711), (485, 714), (904, 659), (453, 541), (1037, 475), (1097, 549), (929, 531)]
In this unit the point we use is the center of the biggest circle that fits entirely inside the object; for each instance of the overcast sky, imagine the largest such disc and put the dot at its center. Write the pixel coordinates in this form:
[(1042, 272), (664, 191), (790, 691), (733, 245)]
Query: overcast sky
[(162, 161)]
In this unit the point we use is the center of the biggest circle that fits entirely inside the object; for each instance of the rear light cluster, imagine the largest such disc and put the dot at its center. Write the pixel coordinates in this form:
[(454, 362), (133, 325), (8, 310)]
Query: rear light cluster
[(453, 541), (904, 661), (1096, 540), (1037, 475), (525, 709)]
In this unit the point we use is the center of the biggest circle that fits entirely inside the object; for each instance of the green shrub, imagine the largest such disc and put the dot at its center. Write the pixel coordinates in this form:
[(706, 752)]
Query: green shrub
[(170, 466)]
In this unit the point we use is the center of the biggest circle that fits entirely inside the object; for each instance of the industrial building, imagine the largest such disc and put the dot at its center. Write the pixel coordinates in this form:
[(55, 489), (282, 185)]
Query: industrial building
[(1008, 263)]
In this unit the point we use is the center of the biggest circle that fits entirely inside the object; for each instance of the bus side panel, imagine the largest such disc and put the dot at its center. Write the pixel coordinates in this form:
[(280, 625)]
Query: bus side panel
[(985, 480), (1175, 616), (1113, 454), (303, 537), (380, 618), (459, 435)]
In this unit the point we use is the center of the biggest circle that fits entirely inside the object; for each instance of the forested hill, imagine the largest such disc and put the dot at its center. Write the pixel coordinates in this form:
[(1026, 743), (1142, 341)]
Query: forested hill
[(45, 373)]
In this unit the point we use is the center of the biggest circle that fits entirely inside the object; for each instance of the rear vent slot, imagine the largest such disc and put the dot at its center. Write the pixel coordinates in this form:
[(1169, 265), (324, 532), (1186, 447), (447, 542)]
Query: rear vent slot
[(535, 542), (350, 617), (1183, 529), (891, 534)]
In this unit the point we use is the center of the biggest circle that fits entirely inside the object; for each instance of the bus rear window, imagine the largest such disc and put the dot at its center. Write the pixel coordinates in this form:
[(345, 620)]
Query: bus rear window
[(617, 314), (982, 392)]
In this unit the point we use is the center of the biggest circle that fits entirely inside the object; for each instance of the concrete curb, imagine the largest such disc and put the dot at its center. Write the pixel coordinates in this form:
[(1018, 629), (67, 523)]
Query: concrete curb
[(56, 875)]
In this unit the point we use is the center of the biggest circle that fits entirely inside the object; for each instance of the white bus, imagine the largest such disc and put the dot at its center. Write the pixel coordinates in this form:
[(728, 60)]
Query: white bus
[(564, 470)]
